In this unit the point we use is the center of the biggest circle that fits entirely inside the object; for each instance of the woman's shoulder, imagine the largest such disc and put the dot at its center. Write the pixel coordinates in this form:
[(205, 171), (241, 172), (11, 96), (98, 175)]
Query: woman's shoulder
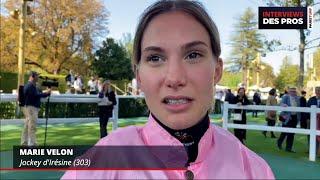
[(129, 135), (255, 166)]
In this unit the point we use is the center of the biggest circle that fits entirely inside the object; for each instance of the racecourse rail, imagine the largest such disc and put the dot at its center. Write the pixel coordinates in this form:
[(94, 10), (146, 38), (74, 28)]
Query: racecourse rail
[(313, 132)]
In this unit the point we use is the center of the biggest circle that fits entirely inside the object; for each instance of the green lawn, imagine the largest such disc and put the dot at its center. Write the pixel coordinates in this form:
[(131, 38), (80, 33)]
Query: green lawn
[(88, 133), (61, 134), (284, 165)]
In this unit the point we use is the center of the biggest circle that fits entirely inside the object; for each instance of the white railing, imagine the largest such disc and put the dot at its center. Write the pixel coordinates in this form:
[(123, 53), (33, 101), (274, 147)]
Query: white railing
[(74, 98), (82, 98), (313, 132)]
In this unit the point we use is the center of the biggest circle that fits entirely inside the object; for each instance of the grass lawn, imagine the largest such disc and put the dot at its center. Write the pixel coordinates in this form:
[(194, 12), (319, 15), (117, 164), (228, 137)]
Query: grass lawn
[(284, 165), (88, 134)]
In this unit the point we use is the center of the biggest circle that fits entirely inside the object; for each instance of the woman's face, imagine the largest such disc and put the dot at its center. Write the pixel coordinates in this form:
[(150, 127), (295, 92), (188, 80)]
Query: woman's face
[(241, 92), (177, 70)]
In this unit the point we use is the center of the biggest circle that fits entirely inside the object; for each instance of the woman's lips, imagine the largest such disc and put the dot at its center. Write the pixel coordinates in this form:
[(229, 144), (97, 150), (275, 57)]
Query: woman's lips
[(177, 103)]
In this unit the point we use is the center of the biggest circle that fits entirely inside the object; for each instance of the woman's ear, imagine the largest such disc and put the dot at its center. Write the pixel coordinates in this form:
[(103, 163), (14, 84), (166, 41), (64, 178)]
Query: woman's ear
[(138, 77), (218, 70)]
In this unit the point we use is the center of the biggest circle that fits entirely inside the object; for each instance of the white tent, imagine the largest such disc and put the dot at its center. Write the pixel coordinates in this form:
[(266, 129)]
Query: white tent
[(219, 87)]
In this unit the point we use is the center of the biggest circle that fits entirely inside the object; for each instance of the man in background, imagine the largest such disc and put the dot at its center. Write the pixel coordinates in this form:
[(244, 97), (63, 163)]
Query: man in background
[(78, 84), (304, 116), (92, 85), (32, 105), (315, 100), (229, 96), (70, 79), (290, 118), (256, 101)]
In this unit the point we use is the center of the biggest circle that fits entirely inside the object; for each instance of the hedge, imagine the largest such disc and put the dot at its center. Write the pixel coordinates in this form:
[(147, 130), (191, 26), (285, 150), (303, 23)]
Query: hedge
[(127, 108)]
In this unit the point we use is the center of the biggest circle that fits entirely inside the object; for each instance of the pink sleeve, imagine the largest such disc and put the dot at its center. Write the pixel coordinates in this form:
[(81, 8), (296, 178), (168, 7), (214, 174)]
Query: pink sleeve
[(69, 175), (256, 167)]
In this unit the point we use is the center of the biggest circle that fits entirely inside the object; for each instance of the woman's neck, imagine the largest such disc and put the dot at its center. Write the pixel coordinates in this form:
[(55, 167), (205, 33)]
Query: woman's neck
[(189, 137)]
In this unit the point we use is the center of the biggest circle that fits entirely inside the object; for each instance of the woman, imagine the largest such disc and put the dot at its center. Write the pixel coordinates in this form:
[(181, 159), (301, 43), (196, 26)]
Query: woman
[(241, 99), (106, 103), (271, 116), (176, 61)]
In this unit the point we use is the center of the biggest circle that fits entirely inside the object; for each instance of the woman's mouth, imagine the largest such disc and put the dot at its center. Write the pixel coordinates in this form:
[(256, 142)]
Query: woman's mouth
[(177, 103)]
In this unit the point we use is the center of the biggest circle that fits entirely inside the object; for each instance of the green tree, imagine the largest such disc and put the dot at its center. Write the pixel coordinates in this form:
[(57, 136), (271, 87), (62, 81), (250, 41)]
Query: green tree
[(246, 43), (267, 75), (230, 79), (112, 61), (288, 75), (65, 33), (316, 64), (305, 43), (127, 42), (313, 73)]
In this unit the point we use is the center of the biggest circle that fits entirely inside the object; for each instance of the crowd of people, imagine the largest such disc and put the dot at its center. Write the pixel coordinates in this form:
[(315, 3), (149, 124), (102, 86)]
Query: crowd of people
[(290, 98), (30, 96), (95, 85), (76, 85)]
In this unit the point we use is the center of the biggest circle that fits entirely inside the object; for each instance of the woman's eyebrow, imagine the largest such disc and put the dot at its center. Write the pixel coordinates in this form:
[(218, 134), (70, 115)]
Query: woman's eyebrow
[(185, 46), (153, 48), (193, 43)]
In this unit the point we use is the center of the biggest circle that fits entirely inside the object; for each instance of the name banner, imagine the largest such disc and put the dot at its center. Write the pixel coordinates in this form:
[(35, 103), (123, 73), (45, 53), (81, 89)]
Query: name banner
[(285, 17), (100, 157)]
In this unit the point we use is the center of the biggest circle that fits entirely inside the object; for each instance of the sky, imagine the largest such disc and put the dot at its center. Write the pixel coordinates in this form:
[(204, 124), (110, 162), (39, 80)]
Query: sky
[(124, 15)]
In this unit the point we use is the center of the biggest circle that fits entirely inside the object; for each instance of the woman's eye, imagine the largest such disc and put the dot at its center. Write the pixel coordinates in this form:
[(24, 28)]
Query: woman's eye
[(193, 56), (154, 59)]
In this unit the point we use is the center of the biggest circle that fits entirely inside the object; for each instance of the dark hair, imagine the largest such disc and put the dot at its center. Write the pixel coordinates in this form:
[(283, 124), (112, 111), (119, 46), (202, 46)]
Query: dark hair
[(243, 90), (272, 91), (192, 8), (303, 92), (33, 74)]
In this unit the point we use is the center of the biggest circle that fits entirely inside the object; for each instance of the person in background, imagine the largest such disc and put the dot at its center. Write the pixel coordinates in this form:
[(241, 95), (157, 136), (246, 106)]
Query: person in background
[(134, 86), (285, 92), (256, 101), (78, 85), (93, 85), (271, 116), (229, 97), (219, 101), (70, 78), (32, 105), (100, 84), (241, 100), (107, 101), (290, 118), (315, 100), (304, 116)]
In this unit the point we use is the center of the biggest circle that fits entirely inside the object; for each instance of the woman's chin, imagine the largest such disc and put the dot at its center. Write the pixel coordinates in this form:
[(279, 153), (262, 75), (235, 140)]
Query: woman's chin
[(181, 121)]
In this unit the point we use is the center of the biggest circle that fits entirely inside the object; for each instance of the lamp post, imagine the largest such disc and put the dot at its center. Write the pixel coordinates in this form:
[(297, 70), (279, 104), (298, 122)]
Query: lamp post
[(22, 37)]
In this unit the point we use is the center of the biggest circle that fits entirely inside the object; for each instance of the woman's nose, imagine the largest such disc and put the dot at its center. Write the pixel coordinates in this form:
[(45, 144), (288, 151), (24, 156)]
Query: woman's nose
[(176, 75)]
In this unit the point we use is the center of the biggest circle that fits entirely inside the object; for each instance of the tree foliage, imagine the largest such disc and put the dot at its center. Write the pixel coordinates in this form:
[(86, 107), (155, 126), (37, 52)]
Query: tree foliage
[(316, 63), (267, 76), (127, 42), (112, 61), (246, 40), (230, 79), (314, 73), (65, 34), (288, 75)]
